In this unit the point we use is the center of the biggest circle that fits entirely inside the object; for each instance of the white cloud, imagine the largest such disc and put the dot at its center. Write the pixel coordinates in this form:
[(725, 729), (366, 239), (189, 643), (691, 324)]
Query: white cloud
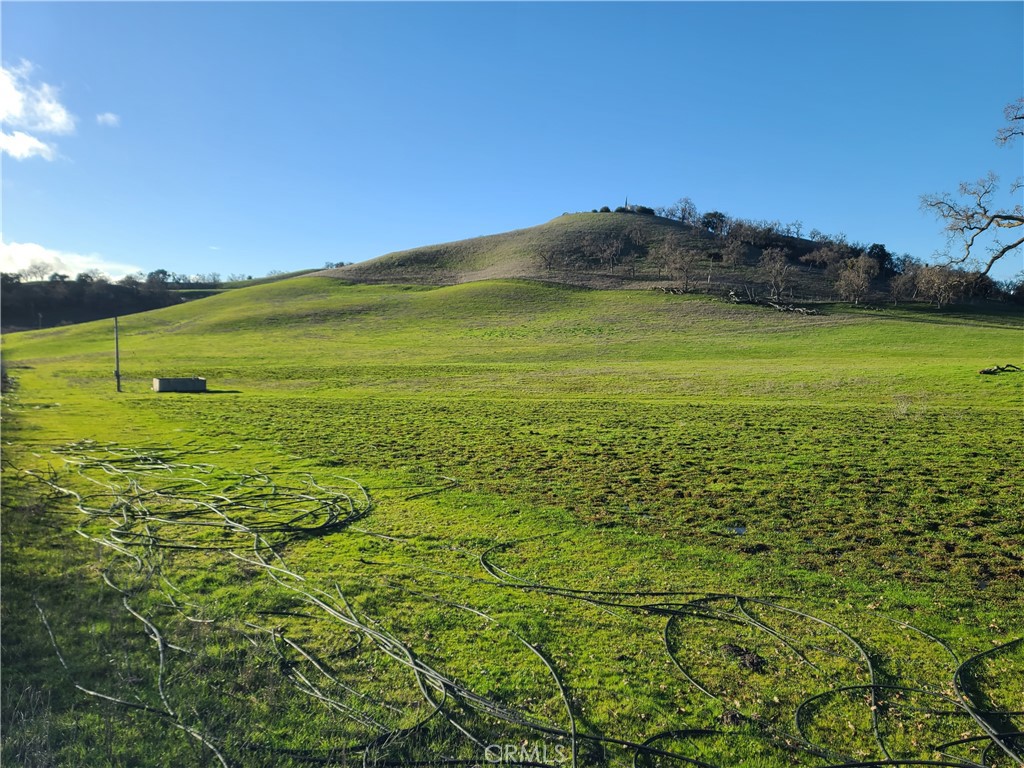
[(108, 119), (21, 146), (12, 102), (33, 108), (42, 112), (15, 257)]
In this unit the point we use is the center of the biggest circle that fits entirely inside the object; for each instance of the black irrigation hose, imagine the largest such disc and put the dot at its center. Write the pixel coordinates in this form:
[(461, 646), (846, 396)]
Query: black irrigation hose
[(681, 609), (847, 688), (984, 764), (452, 483), (805, 744), (675, 734), (388, 645), (692, 732), (328, 514), (133, 510), (400, 652), (778, 636), (241, 509), (166, 714), (873, 687), (961, 691), (499, 573), (533, 648)]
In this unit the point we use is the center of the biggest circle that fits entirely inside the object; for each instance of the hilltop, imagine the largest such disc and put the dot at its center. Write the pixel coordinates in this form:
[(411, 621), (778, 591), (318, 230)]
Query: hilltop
[(626, 249), (544, 252), (637, 248), (597, 250)]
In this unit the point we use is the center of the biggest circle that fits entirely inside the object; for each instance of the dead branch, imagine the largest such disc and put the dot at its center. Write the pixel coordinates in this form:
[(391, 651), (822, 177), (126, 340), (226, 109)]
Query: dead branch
[(1011, 368)]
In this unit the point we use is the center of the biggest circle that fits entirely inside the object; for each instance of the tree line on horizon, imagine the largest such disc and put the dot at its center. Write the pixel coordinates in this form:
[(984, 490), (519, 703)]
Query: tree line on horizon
[(38, 297), (763, 256), (58, 299), (973, 219), (717, 254)]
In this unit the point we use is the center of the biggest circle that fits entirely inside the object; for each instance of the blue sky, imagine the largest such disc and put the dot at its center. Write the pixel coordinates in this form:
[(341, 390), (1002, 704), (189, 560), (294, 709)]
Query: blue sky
[(249, 137)]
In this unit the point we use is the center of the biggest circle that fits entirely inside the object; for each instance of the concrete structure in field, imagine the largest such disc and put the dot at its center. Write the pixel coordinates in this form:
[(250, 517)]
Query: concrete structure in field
[(192, 384)]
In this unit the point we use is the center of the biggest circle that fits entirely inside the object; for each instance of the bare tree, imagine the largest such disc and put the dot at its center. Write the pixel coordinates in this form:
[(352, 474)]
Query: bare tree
[(548, 259), (942, 284), (683, 266), (611, 251), (628, 261), (661, 254), (89, 276), (830, 256), (973, 219), (1014, 114), (903, 285), (734, 253), (588, 252), (855, 276), (37, 270), (679, 261), (775, 267), (634, 249), (682, 210)]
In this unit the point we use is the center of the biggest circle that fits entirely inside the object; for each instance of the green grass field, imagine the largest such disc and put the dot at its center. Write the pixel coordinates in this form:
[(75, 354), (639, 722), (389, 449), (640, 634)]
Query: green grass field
[(510, 520)]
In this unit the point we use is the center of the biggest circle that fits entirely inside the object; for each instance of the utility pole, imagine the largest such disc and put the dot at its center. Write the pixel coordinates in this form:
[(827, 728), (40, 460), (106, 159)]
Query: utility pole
[(117, 356)]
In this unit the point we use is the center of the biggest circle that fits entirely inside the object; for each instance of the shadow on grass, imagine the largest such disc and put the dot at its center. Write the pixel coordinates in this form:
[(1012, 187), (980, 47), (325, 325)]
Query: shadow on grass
[(999, 315), (205, 392)]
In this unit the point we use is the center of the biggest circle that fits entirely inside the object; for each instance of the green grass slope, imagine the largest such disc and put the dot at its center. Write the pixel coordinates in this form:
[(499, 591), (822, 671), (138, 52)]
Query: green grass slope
[(518, 254), (609, 526), (568, 250), (725, 350), (267, 279)]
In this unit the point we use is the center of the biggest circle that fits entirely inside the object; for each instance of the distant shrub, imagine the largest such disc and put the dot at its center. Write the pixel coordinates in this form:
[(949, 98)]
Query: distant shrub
[(605, 209)]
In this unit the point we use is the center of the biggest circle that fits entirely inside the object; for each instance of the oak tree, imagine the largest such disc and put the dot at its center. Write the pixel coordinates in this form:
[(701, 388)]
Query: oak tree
[(974, 219), (775, 267)]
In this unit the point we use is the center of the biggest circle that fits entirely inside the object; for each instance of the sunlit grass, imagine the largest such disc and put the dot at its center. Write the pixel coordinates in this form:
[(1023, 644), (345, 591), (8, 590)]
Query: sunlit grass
[(852, 466)]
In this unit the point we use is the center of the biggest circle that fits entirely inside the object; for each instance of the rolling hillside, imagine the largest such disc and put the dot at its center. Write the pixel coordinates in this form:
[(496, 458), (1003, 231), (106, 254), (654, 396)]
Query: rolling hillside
[(248, 336), (627, 527), (570, 249)]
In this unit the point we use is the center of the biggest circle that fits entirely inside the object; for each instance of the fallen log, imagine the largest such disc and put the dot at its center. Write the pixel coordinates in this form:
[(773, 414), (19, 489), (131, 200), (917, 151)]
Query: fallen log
[(1010, 368), (790, 308), (735, 299)]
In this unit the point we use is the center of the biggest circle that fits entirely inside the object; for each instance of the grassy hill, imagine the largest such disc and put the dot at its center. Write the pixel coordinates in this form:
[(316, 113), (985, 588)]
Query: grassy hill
[(243, 331), (274, 278), (566, 250), (410, 522)]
